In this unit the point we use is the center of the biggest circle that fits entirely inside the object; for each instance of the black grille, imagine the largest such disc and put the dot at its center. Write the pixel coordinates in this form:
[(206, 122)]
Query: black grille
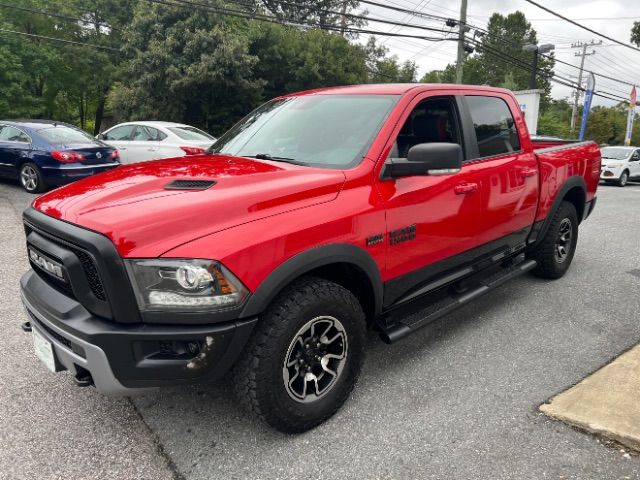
[(190, 184), (88, 265), (64, 287), (91, 271)]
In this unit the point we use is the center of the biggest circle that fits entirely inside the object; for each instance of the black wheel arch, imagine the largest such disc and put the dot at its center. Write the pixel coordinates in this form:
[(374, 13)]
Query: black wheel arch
[(574, 190), (315, 261)]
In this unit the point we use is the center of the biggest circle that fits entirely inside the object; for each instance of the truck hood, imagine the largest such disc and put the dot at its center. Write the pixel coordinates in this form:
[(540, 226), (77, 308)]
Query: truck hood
[(134, 208)]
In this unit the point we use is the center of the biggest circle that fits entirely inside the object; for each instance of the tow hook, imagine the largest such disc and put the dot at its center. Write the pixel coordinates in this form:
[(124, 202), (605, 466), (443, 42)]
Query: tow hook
[(83, 379), (26, 327)]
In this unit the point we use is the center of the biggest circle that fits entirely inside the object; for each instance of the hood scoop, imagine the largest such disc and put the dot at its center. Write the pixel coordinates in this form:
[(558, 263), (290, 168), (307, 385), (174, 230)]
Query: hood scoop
[(190, 185)]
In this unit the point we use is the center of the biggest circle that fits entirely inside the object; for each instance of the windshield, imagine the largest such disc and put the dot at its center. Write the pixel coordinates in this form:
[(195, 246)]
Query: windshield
[(318, 130), (616, 153), (191, 133), (65, 135)]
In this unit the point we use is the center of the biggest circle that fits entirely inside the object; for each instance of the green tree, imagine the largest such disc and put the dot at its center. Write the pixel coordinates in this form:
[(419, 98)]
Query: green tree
[(55, 79), (499, 60), (386, 69), (187, 65), (293, 59), (324, 13), (555, 119), (635, 33)]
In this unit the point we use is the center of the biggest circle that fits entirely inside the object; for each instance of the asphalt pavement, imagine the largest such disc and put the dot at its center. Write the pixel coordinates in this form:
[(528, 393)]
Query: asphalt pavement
[(457, 400)]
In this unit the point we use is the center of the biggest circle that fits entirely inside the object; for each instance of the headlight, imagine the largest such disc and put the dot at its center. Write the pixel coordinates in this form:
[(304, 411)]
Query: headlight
[(184, 285)]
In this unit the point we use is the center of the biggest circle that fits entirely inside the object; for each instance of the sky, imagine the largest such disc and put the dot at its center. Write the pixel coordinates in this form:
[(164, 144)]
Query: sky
[(613, 18)]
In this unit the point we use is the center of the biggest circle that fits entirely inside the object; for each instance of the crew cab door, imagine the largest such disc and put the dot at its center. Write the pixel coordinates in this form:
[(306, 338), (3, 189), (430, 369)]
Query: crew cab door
[(506, 166), (430, 219)]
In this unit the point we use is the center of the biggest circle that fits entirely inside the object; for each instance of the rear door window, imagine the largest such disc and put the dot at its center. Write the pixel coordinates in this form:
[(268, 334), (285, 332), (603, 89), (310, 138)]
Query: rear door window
[(494, 126), (144, 133), (191, 133)]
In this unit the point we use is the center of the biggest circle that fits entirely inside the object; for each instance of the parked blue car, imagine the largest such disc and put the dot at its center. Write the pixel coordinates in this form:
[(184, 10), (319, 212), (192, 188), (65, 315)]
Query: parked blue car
[(43, 153)]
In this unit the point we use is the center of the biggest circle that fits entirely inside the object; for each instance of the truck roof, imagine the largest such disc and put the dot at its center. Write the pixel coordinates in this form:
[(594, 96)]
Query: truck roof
[(392, 89)]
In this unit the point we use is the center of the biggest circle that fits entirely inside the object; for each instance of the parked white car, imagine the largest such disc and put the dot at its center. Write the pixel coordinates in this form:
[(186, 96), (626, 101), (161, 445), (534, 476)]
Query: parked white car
[(620, 164), (141, 141)]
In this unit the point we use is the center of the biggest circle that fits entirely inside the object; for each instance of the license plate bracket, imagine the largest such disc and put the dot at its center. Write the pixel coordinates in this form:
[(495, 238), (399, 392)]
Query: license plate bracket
[(45, 352)]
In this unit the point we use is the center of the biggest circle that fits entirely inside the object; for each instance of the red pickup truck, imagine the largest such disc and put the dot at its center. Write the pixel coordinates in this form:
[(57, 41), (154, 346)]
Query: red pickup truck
[(318, 216)]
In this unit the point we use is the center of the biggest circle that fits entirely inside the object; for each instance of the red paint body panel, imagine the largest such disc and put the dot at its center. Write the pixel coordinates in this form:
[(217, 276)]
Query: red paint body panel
[(261, 213), (132, 207), (566, 161)]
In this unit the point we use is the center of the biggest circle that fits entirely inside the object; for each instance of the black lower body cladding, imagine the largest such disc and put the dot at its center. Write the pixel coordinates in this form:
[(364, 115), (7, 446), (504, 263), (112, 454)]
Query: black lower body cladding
[(124, 357)]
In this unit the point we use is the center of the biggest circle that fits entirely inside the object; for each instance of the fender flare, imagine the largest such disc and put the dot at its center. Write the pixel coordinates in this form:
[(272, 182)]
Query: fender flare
[(308, 260), (540, 229)]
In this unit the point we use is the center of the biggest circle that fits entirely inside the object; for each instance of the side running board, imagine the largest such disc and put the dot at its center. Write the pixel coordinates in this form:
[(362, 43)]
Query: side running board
[(433, 312)]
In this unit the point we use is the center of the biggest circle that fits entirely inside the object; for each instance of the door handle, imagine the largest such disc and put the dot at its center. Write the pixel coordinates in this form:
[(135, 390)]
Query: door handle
[(464, 188), (528, 172)]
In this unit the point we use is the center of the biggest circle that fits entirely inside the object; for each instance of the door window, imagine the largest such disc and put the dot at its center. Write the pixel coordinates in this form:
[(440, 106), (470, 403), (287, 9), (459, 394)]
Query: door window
[(11, 134), (120, 133), (144, 133), (433, 120), (493, 123)]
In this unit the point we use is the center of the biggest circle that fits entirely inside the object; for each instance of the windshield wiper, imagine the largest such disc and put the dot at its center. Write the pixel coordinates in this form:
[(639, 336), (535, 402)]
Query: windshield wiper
[(267, 156)]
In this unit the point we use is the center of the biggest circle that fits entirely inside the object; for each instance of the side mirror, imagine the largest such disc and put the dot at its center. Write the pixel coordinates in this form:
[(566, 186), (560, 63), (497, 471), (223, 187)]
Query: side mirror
[(426, 159), (100, 136)]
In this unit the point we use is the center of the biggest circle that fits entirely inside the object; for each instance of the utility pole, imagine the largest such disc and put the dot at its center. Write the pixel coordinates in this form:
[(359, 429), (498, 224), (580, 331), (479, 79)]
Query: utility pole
[(343, 17), (578, 92), (462, 25)]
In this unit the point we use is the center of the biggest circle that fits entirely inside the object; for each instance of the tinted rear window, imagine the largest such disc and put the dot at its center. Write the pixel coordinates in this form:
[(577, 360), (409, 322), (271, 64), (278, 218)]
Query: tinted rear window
[(191, 133), (494, 125), (61, 135)]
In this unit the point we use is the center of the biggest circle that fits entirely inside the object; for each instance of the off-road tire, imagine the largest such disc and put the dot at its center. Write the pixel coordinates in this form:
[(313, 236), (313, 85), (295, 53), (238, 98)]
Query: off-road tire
[(545, 253), (258, 375)]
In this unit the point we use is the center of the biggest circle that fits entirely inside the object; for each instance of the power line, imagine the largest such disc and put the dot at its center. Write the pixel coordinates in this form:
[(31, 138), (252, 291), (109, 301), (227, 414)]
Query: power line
[(84, 44), (548, 10), (400, 9), (57, 15), (550, 57)]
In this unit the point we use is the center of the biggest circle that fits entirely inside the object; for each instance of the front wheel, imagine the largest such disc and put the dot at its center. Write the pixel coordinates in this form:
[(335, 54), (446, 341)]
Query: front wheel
[(31, 178), (304, 357), (555, 251), (624, 178)]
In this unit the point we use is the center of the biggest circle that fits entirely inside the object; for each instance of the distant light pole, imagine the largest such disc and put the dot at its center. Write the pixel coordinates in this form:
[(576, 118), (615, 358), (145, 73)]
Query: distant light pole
[(536, 49)]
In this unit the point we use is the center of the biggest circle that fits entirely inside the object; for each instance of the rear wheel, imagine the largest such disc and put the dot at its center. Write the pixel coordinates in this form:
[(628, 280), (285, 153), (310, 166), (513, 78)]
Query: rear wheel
[(624, 178), (305, 356), (31, 178), (555, 252)]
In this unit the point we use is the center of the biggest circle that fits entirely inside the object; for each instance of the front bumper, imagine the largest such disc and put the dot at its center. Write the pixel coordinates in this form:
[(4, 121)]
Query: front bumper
[(123, 358), (63, 174), (611, 174)]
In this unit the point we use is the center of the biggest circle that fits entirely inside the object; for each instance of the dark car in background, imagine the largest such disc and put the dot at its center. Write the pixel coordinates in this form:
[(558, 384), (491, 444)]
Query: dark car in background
[(43, 153)]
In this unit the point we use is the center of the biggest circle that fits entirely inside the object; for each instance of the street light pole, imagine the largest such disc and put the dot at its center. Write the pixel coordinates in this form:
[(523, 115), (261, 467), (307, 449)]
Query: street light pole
[(532, 83), (537, 50)]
